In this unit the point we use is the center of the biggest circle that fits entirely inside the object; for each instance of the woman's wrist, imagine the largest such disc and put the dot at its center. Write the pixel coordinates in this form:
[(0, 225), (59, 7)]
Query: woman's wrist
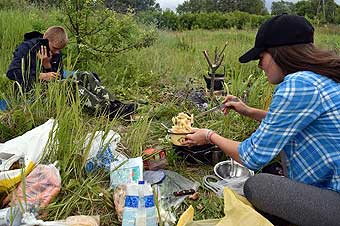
[(208, 136)]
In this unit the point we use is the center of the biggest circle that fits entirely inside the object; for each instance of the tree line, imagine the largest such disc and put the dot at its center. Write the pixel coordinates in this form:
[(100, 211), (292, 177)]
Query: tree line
[(225, 6), (120, 6), (326, 11), (322, 11)]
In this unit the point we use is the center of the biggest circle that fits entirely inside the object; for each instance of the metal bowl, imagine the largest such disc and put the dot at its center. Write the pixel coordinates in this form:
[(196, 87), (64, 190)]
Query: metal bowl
[(224, 170), (178, 138)]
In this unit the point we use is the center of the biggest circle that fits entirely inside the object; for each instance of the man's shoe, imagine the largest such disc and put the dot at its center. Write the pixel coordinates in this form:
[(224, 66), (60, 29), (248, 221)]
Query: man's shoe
[(119, 109)]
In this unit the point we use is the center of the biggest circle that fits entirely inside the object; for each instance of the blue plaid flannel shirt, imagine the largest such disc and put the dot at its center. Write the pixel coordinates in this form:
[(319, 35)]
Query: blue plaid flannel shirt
[(303, 120)]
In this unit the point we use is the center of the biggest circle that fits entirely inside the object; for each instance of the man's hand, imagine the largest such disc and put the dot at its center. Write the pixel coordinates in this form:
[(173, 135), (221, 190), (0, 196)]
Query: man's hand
[(48, 76), (45, 59)]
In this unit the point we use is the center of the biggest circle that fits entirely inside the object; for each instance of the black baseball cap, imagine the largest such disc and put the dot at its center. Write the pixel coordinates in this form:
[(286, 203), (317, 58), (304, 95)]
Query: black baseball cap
[(280, 30)]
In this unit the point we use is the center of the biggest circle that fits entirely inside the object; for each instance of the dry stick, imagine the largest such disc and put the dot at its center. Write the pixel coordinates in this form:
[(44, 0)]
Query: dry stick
[(212, 84), (219, 63), (222, 52), (207, 58), (212, 75), (216, 56)]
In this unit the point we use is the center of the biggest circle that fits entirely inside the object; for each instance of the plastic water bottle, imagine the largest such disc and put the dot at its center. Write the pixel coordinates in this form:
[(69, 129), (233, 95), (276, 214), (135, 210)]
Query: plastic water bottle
[(3, 105), (91, 165), (141, 212), (139, 207), (67, 74)]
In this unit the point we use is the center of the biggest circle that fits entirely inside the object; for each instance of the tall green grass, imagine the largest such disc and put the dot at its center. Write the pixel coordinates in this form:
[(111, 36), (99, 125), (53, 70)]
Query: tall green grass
[(81, 193)]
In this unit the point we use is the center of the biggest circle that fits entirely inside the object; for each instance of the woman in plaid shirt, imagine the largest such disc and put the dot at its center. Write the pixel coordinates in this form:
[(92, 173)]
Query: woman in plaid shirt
[(302, 124)]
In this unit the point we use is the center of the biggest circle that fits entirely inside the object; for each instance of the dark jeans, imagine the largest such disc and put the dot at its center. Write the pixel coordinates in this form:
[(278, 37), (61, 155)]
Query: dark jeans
[(287, 202)]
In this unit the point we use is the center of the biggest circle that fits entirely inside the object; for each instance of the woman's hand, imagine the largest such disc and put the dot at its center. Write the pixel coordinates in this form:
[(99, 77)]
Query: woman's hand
[(48, 76), (199, 137), (45, 59), (232, 102)]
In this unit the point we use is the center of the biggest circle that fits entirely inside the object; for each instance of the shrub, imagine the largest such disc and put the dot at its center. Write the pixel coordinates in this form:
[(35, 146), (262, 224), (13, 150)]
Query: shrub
[(215, 20)]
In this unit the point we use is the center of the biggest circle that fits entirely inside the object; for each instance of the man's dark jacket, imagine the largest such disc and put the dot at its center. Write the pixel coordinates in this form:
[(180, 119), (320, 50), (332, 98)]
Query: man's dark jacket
[(25, 57)]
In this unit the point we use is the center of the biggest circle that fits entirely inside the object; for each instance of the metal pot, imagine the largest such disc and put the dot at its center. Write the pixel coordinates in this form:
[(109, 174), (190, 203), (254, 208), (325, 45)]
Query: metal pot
[(203, 154), (178, 138), (218, 84)]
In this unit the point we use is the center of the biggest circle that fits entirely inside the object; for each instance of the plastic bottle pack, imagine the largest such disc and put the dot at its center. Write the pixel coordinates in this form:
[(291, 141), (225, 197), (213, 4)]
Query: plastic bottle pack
[(139, 207)]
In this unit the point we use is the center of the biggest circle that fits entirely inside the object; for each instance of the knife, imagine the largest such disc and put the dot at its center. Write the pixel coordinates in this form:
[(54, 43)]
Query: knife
[(184, 192), (218, 107)]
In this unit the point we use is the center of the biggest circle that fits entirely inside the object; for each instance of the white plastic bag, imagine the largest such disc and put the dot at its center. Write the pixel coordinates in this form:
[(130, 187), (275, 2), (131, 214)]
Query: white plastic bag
[(102, 151), (30, 146)]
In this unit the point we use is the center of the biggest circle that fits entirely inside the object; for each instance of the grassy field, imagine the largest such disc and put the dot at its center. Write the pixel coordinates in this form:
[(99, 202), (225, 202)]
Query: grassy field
[(159, 78)]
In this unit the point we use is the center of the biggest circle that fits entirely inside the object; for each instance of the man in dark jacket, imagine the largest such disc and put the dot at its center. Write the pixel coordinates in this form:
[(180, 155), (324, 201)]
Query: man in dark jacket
[(39, 54)]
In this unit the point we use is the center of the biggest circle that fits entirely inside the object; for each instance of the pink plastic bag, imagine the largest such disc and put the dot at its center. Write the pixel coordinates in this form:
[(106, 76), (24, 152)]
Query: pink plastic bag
[(42, 185)]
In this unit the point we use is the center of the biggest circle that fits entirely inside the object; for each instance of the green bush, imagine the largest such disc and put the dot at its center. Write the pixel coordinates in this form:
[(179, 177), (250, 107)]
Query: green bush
[(12, 4), (215, 20)]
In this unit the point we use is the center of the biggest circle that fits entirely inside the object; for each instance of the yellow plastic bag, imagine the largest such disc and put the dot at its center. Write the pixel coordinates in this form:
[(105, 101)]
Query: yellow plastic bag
[(238, 212)]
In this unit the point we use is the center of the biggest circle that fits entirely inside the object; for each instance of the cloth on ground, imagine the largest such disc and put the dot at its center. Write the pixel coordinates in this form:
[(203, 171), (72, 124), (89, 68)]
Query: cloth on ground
[(97, 99)]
